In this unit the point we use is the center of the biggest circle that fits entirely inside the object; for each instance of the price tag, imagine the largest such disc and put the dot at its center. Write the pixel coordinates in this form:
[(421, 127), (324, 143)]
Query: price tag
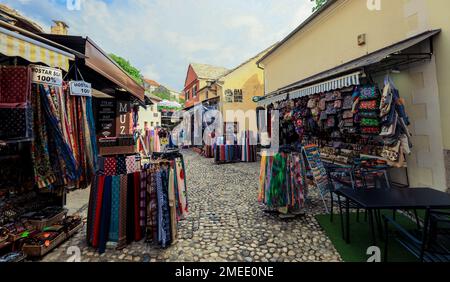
[(46, 75), (80, 88)]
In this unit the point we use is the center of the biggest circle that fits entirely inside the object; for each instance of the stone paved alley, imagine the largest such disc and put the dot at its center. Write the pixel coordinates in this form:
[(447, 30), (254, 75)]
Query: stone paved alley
[(225, 224)]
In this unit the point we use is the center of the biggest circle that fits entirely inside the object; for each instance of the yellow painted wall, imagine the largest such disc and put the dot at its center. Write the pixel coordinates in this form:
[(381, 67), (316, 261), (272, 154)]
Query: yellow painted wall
[(331, 40), (439, 17), (250, 79)]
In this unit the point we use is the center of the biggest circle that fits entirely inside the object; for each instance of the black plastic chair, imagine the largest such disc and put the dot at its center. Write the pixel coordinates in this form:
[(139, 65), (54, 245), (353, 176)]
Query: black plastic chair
[(428, 244), (335, 198)]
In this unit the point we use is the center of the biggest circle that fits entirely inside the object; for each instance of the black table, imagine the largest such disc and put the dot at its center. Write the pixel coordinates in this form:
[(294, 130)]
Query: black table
[(392, 199)]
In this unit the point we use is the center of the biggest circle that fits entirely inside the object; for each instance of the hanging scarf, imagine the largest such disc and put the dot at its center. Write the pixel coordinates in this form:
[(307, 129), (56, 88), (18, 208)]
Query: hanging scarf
[(63, 151), (278, 181), (43, 172)]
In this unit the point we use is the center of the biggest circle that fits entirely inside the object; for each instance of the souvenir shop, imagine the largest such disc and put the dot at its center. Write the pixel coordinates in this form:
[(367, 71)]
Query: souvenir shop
[(227, 149), (155, 140), (350, 125), (134, 196), (47, 145)]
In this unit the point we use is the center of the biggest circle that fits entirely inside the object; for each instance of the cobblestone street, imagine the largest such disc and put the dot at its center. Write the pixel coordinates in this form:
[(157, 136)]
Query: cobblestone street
[(226, 223)]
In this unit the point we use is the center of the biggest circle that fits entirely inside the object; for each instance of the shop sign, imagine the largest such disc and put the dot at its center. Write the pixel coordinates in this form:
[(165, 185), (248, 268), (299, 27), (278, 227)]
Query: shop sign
[(46, 75), (80, 88), (124, 118), (106, 117)]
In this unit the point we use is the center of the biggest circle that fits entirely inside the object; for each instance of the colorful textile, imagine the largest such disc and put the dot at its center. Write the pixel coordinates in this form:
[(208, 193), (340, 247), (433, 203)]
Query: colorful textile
[(62, 151), (105, 218), (123, 211), (152, 207), (43, 172), (143, 200), (15, 85), (16, 123), (110, 166), (183, 209), (115, 209), (121, 165), (137, 209), (131, 164), (130, 208), (97, 211)]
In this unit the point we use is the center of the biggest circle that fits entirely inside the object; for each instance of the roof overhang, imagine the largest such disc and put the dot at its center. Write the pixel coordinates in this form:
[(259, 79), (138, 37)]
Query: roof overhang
[(385, 59), (97, 60), (16, 42)]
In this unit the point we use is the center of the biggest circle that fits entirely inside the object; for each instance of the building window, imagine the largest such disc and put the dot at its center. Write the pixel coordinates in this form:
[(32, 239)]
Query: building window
[(228, 96), (151, 123), (157, 123), (187, 95), (238, 96), (194, 91)]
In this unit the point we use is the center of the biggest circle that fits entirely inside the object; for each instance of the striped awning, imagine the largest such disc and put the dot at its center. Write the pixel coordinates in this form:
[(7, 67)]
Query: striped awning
[(13, 44), (330, 85), (273, 99)]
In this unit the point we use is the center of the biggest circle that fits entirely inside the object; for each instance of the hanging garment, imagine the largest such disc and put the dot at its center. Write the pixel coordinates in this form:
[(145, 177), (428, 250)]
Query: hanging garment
[(15, 85), (130, 209), (137, 208), (121, 165), (123, 211), (17, 123), (62, 151), (131, 164), (105, 219), (91, 210), (115, 209), (182, 188), (110, 166), (152, 207), (262, 176), (172, 202), (97, 211), (43, 172), (143, 201)]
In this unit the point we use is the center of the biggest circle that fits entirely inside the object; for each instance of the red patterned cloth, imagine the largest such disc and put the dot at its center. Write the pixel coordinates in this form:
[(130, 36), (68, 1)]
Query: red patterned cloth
[(15, 86), (110, 166)]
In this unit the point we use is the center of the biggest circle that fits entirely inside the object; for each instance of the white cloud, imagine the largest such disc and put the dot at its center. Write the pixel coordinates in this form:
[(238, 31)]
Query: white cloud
[(161, 37), (150, 72)]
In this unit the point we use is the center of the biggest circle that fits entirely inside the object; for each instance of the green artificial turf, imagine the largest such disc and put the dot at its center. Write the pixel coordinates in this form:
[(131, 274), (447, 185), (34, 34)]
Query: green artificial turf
[(361, 239)]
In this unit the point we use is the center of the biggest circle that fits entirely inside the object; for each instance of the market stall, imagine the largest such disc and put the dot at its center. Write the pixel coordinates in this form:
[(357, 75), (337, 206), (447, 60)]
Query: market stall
[(348, 123), (46, 145)]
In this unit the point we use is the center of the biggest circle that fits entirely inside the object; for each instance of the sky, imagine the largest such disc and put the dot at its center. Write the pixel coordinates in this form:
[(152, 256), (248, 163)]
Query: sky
[(161, 37)]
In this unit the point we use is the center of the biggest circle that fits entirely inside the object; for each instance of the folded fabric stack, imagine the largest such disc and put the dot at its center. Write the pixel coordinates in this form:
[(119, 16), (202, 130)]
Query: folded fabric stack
[(368, 110)]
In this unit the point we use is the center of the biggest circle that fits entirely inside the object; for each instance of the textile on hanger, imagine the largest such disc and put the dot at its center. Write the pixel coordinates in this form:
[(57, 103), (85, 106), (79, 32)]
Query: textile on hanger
[(146, 203)]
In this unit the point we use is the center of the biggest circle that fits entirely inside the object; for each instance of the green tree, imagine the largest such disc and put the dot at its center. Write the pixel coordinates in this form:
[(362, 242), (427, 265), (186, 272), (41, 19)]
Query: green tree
[(162, 93), (128, 68), (319, 4)]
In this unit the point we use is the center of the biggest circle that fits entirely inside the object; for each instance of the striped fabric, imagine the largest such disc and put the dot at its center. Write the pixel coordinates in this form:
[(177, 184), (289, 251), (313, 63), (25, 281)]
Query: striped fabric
[(15, 45), (330, 85)]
